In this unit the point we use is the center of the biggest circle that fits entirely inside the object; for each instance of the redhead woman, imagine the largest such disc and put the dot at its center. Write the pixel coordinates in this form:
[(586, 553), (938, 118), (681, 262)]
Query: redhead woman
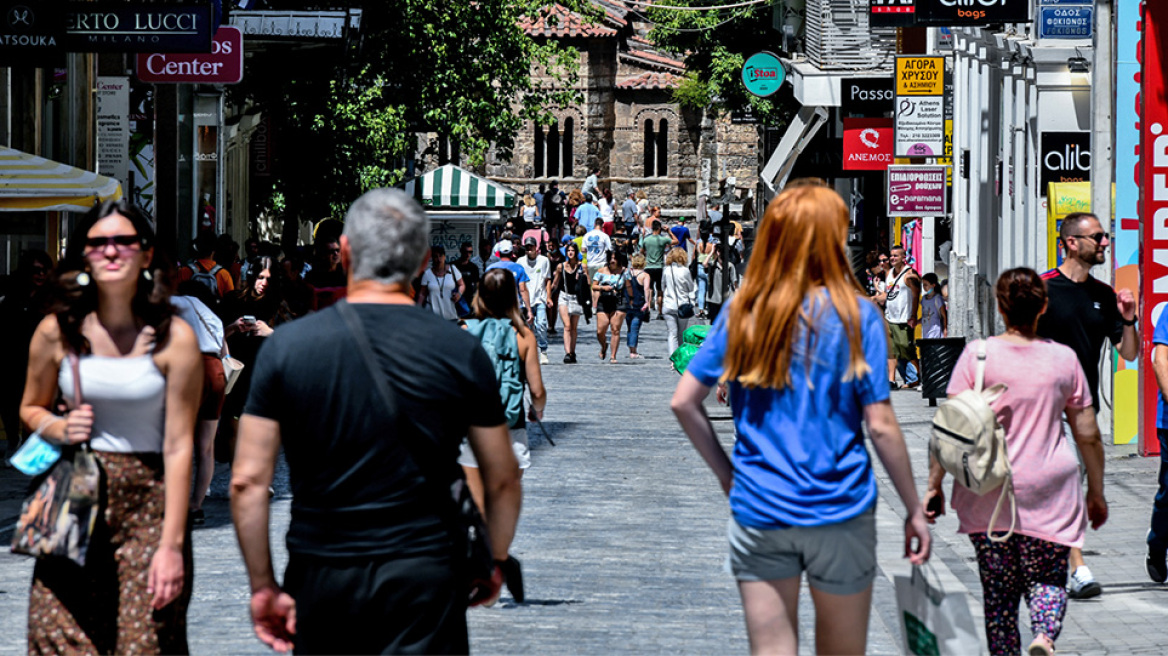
[(141, 380), (803, 357)]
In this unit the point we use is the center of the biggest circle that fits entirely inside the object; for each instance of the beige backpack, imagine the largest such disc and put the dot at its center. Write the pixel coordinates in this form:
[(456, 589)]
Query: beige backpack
[(970, 444)]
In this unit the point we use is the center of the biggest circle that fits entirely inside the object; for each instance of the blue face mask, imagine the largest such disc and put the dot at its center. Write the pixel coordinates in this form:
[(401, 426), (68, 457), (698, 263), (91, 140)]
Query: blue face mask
[(35, 456)]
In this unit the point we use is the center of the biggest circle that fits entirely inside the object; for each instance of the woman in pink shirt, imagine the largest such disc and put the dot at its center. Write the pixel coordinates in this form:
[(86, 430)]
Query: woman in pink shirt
[(1044, 380)]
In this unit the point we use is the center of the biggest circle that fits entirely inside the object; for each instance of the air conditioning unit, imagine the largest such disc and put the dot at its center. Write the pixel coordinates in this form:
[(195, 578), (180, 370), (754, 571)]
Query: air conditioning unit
[(839, 37)]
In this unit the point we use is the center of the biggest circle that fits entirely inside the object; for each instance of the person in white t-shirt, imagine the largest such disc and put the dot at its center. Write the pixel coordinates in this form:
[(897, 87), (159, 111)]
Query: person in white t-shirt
[(442, 286), (539, 286)]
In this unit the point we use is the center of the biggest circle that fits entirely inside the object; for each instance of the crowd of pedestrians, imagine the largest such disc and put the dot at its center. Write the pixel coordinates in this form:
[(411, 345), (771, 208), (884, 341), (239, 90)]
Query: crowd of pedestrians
[(378, 533)]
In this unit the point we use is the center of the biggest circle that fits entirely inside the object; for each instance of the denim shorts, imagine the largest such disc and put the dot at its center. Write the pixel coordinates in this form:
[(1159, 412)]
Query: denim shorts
[(839, 558)]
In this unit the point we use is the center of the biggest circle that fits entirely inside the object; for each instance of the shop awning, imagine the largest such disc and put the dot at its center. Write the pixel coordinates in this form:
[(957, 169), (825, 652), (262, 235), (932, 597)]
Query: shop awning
[(31, 183), (450, 187)]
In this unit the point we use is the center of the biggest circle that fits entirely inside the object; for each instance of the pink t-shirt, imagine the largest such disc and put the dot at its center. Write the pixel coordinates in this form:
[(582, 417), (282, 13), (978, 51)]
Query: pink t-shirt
[(1043, 378)]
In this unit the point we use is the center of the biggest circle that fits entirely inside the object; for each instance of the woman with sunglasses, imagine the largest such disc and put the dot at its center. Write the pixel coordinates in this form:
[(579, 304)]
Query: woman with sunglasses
[(141, 378)]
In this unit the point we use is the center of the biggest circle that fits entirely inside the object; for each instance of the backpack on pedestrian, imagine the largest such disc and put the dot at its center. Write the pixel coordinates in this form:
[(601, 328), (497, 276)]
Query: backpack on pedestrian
[(499, 340), (204, 277), (969, 443)]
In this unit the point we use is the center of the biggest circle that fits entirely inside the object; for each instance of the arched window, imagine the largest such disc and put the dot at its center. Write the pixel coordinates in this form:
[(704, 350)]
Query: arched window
[(553, 150), (448, 151), (566, 148), (663, 149), (539, 144), (650, 149)]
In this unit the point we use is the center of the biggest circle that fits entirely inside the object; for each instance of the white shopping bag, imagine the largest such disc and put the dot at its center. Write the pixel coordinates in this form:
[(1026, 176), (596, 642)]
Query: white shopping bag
[(933, 622)]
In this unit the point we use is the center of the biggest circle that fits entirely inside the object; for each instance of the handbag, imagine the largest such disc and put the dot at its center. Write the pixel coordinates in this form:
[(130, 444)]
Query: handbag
[(465, 524), (932, 621), (59, 517), (231, 366), (684, 310)]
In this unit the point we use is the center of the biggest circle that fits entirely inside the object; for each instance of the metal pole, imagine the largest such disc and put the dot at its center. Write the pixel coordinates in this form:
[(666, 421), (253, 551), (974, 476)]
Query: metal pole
[(1102, 174)]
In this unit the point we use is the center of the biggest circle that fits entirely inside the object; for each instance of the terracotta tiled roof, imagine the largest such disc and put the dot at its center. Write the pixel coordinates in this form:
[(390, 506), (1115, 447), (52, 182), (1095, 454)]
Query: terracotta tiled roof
[(650, 80), (656, 60), (557, 21)]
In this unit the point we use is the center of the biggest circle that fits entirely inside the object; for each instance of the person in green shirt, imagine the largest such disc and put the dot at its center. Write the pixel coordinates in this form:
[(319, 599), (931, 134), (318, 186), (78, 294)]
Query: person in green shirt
[(654, 247)]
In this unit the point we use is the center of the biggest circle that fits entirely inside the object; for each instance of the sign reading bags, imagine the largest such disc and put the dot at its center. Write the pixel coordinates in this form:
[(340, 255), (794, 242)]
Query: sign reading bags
[(972, 12)]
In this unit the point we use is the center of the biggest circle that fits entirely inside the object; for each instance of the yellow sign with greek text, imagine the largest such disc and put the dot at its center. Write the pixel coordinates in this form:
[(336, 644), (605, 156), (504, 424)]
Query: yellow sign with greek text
[(920, 76)]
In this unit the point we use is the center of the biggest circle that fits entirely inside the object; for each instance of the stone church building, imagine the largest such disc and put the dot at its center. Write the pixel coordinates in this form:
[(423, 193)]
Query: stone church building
[(628, 125)]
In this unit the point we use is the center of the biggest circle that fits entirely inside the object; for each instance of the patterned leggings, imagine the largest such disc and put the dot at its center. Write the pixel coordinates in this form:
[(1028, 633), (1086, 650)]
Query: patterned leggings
[(1021, 567)]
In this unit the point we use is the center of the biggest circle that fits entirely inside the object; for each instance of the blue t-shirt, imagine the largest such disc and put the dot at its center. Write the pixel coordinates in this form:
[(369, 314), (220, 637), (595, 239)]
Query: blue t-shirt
[(682, 234), (515, 268), (587, 214), (800, 459), (1160, 336)]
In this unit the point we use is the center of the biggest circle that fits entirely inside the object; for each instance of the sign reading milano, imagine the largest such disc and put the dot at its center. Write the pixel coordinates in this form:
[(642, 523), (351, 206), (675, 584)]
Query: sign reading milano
[(971, 12), (152, 27)]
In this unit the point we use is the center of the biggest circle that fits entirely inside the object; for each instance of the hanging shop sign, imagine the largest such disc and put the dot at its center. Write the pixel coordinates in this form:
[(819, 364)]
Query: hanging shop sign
[(1066, 21), (31, 31), (972, 12), (223, 65), (1064, 157), (1154, 204), (867, 95), (763, 74), (920, 106), (868, 144), (127, 27), (917, 190), (891, 13)]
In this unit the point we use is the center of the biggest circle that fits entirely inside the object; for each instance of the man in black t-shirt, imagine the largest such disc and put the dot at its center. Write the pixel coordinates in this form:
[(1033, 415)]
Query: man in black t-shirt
[(371, 566), (1081, 313)]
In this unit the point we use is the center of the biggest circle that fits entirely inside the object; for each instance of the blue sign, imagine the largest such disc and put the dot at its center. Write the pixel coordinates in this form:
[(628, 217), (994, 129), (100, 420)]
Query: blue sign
[(1065, 22), (763, 74)]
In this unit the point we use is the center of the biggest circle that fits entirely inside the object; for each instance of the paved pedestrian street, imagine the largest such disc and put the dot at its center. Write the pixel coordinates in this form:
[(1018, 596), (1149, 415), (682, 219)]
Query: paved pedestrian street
[(623, 544)]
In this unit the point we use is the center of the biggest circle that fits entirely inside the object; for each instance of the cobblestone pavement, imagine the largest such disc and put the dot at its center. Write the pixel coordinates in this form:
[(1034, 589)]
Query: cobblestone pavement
[(622, 538)]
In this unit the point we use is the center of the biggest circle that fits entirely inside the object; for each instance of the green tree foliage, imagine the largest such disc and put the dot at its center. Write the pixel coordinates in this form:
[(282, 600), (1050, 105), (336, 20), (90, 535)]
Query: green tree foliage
[(715, 44), (345, 120)]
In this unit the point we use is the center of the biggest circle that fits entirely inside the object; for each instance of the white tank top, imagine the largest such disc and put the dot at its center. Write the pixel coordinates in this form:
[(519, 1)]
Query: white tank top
[(900, 297), (128, 396)]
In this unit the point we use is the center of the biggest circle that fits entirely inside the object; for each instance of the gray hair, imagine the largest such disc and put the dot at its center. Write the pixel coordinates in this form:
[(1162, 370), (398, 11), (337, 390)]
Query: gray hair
[(388, 235)]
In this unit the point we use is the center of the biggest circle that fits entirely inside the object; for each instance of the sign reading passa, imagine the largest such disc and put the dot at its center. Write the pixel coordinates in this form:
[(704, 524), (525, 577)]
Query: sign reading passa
[(972, 12), (223, 65), (867, 95), (867, 144)]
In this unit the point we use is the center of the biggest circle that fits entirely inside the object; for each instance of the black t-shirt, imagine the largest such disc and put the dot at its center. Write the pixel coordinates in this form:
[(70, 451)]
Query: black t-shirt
[(1081, 316), (355, 488)]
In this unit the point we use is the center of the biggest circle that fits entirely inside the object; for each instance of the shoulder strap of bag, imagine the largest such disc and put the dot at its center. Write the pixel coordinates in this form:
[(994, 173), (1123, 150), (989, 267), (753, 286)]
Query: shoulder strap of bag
[(75, 365), (387, 396), (979, 379)]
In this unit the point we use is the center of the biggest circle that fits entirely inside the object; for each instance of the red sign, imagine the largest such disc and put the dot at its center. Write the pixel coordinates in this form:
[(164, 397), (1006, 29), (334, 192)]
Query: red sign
[(868, 143), (223, 65), (1153, 207)]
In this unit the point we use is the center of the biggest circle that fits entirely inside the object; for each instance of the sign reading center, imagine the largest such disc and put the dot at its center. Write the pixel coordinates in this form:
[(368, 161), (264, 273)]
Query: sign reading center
[(224, 64), (763, 74), (920, 106)]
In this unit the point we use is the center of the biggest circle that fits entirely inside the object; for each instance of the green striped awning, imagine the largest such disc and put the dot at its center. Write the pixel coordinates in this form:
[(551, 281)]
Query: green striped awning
[(454, 188)]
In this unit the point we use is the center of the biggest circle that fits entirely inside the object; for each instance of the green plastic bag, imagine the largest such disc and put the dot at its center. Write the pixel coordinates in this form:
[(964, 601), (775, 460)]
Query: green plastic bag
[(682, 356), (695, 334)]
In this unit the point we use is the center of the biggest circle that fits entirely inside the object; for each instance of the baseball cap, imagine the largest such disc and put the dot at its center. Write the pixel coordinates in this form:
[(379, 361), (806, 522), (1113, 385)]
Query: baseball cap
[(504, 248), (530, 241)]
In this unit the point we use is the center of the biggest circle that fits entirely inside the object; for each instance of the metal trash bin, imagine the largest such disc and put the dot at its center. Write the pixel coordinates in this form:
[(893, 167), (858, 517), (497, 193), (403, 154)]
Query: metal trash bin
[(938, 357)]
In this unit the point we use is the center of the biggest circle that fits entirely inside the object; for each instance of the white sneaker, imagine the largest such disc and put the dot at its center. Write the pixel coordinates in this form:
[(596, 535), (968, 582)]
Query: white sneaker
[(1081, 585), (543, 358)]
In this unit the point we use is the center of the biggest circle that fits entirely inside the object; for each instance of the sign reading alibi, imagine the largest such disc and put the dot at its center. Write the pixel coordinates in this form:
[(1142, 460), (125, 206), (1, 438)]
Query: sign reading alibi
[(138, 27)]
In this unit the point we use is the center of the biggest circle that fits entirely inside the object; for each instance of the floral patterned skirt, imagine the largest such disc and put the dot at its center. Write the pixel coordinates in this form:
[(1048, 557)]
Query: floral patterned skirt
[(103, 607)]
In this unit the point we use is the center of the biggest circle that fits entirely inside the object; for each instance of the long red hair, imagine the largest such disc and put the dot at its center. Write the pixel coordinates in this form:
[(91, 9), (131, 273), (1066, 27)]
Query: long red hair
[(800, 250)]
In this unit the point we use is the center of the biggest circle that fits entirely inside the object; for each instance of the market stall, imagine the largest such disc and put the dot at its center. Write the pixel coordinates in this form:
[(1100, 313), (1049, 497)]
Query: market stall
[(461, 205)]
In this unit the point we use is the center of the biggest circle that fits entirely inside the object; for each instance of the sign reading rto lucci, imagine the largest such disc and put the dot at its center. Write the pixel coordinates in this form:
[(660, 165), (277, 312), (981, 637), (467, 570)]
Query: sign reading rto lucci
[(763, 74)]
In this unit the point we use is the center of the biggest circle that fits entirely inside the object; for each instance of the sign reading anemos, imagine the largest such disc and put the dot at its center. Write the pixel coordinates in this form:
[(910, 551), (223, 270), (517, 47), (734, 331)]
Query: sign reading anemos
[(867, 144), (917, 190), (223, 65)]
